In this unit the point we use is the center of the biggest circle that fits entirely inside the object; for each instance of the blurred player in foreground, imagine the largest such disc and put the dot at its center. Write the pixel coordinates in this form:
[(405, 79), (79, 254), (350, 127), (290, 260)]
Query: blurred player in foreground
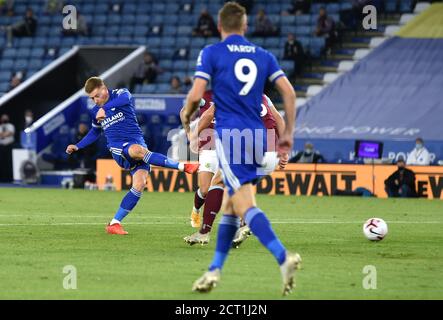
[(238, 71), (114, 113)]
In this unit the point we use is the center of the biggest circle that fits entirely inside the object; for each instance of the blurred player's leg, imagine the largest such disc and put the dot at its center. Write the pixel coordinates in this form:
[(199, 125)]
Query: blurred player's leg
[(140, 153), (241, 235), (244, 202), (204, 182), (129, 202), (212, 207), (227, 227)]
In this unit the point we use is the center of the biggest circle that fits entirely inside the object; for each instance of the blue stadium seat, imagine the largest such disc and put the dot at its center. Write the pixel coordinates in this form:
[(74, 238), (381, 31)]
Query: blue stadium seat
[(211, 40), (193, 54), (303, 20), (259, 41), (272, 42), (288, 29), (67, 42), (42, 31), (302, 31), (164, 77), (126, 30), (129, 8), (4, 86), (166, 64), (332, 8), (179, 66), (188, 20), (169, 30), (144, 7), (20, 64), (88, 8), (102, 7), (37, 53), (305, 42), (35, 64), (168, 42), (128, 19), (141, 19), (156, 20), (197, 42), (114, 20), (140, 40), (184, 30), (125, 40), (158, 8), (149, 88), (5, 21), (316, 46), (288, 20), (172, 8), (167, 52), (100, 19), (287, 66), (154, 42), (405, 6), (9, 53), (25, 42), (23, 53), (140, 30), (5, 76), (39, 41), (163, 87), (54, 42), (138, 88), (275, 19), (391, 6), (182, 42)]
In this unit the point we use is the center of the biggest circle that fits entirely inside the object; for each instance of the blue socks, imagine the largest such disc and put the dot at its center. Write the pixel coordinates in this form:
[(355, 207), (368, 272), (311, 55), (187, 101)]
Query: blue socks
[(261, 227), (157, 159), (128, 203), (226, 231)]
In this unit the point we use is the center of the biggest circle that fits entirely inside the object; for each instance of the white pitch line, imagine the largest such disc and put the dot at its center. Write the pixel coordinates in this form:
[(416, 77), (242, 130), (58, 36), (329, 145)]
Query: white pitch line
[(173, 223)]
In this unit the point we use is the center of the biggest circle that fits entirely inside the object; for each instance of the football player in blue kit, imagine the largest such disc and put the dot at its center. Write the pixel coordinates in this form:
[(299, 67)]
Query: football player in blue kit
[(114, 114), (238, 71)]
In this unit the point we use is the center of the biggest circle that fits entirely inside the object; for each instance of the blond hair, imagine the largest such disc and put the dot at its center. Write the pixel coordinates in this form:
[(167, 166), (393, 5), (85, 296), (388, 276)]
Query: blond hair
[(231, 16), (92, 83)]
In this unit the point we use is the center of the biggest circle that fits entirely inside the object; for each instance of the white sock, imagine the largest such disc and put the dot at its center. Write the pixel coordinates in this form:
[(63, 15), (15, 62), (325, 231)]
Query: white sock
[(181, 166), (114, 221), (196, 210)]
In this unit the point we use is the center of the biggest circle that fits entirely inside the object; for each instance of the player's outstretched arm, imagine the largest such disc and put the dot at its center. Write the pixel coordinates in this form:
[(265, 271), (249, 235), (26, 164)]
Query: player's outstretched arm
[(193, 101), (287, 92), (90, 137)]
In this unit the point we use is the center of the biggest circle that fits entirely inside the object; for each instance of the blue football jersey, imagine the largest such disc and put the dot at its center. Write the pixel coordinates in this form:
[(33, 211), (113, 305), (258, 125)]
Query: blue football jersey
[(238, 71), (120, 125)]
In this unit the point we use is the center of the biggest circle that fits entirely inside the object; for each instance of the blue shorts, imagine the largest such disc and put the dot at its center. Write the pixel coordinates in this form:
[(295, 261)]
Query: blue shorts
[(239, 167), (121, 156)]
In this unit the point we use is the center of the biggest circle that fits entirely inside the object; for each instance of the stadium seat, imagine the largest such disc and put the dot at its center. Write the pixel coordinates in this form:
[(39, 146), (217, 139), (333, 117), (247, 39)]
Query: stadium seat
[(35, 63), (9, 53), (163, 88), (288, 20), (37, 53), (4, 87), (25, 42), (5, 76), (20, 64), (197, 42)]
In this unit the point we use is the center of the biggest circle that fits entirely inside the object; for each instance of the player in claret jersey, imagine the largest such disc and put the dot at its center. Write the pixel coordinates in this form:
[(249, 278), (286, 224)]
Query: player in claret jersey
[(209, 177), (114, 114)]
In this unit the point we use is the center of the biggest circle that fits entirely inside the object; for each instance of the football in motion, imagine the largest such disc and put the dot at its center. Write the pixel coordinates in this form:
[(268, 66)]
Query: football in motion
[(375, 229)]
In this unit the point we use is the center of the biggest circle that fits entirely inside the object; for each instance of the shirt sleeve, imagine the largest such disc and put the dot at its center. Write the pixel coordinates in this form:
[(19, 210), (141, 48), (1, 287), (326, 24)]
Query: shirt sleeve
[(275, 71), (204, 64), (123, 97)]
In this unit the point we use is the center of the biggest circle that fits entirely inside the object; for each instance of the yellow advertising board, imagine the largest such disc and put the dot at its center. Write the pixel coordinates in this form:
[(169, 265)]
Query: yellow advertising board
[(296, 179)]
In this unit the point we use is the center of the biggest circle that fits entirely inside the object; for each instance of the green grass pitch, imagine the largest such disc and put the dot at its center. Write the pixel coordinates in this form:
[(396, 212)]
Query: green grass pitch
[(44, 230)]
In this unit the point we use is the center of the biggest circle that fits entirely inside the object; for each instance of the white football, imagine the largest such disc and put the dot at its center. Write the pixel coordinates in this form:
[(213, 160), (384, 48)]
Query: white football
[(375, 229)]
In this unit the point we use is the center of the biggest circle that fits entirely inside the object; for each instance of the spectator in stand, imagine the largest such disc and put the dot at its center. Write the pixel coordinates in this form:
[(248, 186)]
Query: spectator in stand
[(54, 7), (176, 85), (81, 30), (206, 26), (308, 155), (419, 156), (28, 119), (326, 28), (6, 7), (298, 7), (7, 138), (24, 28), (294, 51), (402, 182), (16, 80), (146, 71), (264, 26)]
